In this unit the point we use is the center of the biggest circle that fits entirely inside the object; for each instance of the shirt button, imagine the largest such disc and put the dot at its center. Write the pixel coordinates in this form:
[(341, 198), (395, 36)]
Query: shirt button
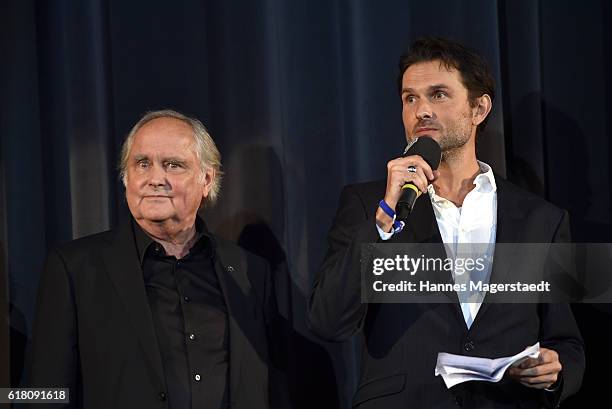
[(469, 346), (197, 377), (186, 299), (162, 396), (191, 337), (178, 263)]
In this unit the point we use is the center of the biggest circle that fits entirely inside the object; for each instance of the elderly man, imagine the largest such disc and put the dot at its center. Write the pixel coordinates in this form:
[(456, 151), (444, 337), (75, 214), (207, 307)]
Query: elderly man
[(446, 92), (158, 313)]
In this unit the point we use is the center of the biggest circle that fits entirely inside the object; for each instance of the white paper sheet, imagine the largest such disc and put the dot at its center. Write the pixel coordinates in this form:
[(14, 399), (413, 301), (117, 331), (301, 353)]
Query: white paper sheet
[(456, 369)]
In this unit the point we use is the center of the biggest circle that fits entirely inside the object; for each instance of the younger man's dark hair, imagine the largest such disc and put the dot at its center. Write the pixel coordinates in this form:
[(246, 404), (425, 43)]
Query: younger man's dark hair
[(474, 70)]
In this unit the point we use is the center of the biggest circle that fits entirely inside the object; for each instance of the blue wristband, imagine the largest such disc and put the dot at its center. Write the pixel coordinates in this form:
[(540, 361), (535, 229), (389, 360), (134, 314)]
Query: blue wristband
[(398, 226)]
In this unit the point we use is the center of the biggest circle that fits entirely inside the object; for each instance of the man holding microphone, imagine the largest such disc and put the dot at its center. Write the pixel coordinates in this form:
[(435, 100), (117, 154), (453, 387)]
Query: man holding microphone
[(447, 92)]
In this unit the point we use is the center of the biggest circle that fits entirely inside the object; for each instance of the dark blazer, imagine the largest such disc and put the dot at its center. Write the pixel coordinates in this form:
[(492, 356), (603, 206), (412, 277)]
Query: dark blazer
[(94, 333), (401, 341)]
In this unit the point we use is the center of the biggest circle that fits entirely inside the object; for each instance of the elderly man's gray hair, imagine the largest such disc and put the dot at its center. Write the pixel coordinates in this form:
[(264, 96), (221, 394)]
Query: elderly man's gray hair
[(205, 148)]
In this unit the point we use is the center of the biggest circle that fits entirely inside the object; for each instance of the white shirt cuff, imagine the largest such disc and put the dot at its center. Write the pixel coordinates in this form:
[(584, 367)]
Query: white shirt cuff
[(384, 235)]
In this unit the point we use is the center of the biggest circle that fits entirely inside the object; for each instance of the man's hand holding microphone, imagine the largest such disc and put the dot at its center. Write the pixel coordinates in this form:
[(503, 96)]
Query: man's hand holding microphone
[(407, 178)]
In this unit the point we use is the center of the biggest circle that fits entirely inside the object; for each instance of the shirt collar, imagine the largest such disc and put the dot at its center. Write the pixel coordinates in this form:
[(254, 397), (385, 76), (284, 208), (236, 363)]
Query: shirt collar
[(144, 241), (484, 182)]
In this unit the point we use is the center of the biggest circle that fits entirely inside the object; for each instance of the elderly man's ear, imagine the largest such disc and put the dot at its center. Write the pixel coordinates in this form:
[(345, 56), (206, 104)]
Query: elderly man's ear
[(209, 177)]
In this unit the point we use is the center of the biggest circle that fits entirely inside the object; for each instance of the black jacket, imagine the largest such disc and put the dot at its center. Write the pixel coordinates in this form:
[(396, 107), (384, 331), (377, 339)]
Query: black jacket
[(94, 333), (401, 341)]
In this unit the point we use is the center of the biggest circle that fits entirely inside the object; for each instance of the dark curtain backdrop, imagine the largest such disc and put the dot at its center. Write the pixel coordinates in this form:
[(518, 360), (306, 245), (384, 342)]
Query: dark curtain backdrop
[(301, 99)]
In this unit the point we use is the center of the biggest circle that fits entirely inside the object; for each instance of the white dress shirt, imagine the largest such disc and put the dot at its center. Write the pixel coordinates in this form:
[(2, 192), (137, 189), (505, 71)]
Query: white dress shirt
[(470, 228)]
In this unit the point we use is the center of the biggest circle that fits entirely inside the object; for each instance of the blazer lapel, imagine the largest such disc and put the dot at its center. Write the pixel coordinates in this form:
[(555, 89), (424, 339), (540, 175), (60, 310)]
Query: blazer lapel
[(508, 225), (123, 267), (231, 269), (507, 231), (422, 227)]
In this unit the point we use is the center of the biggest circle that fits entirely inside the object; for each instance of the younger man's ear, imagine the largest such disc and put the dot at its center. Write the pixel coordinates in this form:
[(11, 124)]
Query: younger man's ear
[(482, 109)]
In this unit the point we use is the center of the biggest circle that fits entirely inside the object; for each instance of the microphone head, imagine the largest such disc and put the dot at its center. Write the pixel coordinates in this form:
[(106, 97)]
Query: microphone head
[(428, 149)]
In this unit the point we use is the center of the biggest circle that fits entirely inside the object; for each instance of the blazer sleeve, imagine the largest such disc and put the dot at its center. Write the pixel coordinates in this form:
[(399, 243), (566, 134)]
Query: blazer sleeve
[(335, 311), (53, 355), (559, 332)]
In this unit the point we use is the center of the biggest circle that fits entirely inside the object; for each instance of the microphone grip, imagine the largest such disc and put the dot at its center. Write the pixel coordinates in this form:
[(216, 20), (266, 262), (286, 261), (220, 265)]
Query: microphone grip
[(404, 206)]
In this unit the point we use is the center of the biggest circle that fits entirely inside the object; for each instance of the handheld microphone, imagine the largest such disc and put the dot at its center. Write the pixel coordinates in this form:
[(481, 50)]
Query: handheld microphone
[(428, 149)]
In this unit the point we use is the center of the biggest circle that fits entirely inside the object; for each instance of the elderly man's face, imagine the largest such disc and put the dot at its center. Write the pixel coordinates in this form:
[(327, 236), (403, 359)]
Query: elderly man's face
[(164, 179)]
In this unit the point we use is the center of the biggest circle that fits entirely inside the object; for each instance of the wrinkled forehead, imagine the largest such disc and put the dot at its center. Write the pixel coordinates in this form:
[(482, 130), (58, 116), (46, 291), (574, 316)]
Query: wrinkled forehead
[(164, 136)]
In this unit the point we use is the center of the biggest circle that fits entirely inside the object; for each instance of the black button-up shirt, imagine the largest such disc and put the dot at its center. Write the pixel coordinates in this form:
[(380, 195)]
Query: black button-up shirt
[(190, 318)]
